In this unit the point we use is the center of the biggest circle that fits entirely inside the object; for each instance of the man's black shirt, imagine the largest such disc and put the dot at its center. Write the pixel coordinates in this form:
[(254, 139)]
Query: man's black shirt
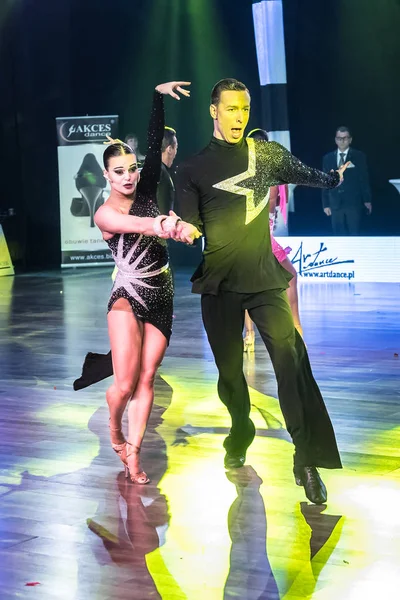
[(224, 191)]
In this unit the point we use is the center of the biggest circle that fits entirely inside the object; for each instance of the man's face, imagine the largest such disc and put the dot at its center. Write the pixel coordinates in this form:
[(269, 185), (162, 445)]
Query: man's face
[(343, 140), (132, 143), (231, 115)]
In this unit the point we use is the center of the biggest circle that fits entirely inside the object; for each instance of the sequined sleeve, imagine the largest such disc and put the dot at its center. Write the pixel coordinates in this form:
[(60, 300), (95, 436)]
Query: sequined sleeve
[(150, 174), (289, 169)]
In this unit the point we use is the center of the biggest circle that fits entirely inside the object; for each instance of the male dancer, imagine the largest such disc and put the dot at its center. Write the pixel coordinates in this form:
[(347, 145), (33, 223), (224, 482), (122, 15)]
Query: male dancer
[(166, 186), (224, 191)]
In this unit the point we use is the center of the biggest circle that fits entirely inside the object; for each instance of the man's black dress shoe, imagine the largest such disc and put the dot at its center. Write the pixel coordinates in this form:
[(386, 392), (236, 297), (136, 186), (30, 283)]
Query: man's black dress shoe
[(314, 487), (234, 458), (234, 461)]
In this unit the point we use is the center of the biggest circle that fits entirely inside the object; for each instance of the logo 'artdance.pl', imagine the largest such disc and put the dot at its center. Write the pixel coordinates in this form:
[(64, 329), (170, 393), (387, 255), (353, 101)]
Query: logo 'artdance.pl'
[(315, 264)]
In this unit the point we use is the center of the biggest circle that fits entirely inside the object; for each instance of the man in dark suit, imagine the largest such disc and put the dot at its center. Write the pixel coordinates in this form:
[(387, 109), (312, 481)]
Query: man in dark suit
[(344, 204), (166, 187)]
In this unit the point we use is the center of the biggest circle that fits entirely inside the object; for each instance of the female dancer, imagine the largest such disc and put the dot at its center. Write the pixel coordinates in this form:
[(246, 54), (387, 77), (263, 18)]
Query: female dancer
[(140, 307), (278, 197)]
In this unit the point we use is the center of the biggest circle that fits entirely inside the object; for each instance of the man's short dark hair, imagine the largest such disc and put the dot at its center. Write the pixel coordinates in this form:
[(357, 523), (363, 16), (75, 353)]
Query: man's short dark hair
[(344, 129), (225, 85), (258, 134), (169, 138)]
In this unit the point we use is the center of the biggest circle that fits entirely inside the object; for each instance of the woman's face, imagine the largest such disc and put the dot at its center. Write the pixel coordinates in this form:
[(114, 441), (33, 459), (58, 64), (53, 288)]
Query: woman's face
[(123, 174)]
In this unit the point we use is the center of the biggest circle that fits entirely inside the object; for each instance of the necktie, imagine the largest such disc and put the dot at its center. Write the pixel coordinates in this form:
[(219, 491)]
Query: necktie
[(341, 161)]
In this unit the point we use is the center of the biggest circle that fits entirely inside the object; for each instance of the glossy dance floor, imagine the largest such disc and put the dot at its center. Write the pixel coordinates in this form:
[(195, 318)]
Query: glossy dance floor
[(73, 528)]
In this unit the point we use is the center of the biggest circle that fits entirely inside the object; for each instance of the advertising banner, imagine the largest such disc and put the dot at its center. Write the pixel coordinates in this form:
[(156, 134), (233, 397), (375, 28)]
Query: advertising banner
[(6, 266), (351, 259), (82, 187)]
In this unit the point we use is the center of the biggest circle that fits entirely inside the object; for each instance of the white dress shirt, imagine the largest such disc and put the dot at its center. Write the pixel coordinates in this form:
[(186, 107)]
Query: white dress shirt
[(344, 157)]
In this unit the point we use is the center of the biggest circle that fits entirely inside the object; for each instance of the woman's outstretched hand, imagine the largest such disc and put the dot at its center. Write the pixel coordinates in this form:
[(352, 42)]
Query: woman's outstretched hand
[(172, 87)]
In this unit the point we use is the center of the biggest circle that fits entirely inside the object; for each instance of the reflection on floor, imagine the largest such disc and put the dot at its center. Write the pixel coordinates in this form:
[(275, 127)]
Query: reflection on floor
[(73, 528)]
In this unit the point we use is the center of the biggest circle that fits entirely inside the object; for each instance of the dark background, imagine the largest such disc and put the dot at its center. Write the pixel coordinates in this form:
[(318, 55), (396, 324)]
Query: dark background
[(75, 57)]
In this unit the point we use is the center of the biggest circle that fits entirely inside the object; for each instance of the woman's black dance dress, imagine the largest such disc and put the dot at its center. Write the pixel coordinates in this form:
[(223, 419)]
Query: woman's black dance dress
[(144, 276)]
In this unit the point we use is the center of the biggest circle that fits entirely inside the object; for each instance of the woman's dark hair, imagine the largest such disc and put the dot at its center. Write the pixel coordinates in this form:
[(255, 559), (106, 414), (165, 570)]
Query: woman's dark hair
[(117, 149), (225, 85), (258, 134)]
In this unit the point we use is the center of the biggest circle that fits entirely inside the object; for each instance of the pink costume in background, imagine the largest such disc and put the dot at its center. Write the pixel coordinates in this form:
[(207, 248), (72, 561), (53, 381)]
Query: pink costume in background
[(279, 252)]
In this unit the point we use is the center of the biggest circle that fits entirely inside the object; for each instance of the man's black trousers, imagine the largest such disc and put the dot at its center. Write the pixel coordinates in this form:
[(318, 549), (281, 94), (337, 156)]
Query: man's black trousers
[(303, 408)]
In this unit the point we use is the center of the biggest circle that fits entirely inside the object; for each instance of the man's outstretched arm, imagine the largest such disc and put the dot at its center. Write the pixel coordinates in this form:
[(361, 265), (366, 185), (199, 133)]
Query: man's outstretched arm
[(290, 169)]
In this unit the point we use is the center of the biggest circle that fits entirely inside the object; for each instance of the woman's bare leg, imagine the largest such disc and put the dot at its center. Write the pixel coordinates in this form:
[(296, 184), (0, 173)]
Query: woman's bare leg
[(248, 323), (249, 337), (293, 295), (125, 333), (139, 409)]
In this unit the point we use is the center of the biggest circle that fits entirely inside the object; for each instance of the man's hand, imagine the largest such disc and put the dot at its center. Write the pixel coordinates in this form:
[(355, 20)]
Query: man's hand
[(170, 87), (182, 231), (178, 230), (186, 233), (327, 211), (368, 206)]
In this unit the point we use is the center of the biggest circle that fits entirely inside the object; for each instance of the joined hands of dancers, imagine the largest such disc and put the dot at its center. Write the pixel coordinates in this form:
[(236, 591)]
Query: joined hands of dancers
[(174, 228)]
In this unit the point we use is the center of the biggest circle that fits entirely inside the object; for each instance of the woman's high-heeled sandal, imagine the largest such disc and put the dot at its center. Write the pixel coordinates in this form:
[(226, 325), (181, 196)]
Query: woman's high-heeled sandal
[(119, 449), (139, 477), (248, 342)]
